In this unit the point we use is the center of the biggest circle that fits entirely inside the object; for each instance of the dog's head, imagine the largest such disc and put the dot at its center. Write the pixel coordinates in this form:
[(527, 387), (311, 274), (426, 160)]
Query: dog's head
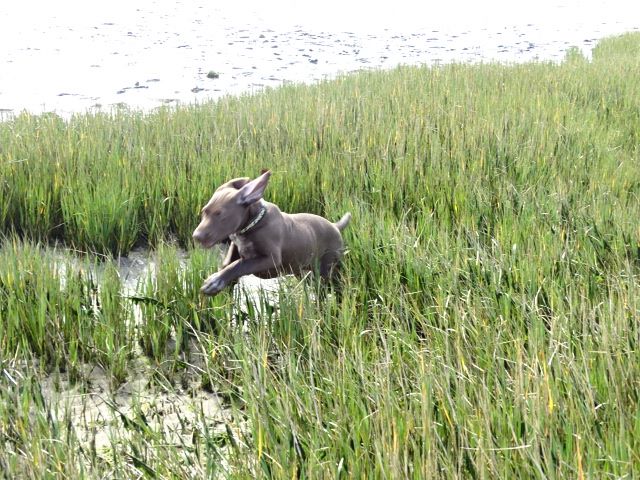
[(228, 210)]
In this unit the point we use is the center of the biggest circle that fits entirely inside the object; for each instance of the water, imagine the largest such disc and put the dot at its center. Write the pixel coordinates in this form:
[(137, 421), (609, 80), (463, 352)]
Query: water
[(72, 56)]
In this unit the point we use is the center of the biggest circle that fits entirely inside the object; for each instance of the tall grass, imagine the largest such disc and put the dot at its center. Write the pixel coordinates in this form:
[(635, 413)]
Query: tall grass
[(487, 323), (53, 309)]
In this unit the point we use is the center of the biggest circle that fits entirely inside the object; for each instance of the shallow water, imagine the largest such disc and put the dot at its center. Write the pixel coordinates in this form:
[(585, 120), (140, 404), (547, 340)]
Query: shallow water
[(72, 56), (250, 293)]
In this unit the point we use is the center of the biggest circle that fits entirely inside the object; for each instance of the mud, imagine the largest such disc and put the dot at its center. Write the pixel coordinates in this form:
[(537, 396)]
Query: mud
[(96, 411)]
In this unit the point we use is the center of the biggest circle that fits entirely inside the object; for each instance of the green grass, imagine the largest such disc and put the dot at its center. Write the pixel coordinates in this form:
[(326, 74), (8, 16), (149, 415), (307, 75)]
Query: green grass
[(488, 323)]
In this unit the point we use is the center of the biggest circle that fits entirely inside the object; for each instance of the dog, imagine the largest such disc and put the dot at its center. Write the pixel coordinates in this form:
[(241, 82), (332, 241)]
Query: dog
[(265, 241)]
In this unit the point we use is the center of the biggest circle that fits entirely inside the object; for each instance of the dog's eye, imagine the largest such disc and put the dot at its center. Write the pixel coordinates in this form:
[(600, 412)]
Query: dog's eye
[(207, 212)]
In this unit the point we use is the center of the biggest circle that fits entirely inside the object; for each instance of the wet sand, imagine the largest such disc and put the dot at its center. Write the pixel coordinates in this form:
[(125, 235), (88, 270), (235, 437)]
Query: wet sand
[(71, 58)]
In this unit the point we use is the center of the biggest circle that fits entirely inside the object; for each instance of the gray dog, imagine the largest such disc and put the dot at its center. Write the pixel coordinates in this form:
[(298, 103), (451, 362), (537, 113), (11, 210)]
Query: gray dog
[(265, 241)]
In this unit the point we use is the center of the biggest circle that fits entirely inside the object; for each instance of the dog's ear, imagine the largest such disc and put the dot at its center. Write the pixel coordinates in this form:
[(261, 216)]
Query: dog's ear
[(238, 183), (252, 191)]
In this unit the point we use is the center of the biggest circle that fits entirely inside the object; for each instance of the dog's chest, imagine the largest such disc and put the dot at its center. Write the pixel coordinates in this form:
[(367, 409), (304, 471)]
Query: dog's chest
[(246, 248)]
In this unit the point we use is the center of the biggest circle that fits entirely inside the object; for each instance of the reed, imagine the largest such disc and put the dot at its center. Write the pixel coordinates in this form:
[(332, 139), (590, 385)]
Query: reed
[(487, 320)]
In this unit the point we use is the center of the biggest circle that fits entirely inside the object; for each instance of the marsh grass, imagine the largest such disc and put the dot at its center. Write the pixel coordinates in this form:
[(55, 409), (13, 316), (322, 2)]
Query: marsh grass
[(487, 322), (171, 305)]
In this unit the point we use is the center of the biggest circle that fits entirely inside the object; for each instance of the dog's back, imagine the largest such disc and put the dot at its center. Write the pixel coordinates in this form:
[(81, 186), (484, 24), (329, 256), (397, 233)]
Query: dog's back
[(308, 239)]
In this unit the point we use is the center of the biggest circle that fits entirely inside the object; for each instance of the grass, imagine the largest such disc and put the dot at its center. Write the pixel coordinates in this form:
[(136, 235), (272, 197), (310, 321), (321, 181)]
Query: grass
[(488, 321)]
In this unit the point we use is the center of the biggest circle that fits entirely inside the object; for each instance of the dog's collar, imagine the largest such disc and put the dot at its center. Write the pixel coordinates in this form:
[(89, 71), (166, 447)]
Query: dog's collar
[(253, 222)]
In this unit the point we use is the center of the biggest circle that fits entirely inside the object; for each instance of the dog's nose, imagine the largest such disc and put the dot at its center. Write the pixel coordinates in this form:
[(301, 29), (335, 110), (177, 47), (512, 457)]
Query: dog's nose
[(198, 236)]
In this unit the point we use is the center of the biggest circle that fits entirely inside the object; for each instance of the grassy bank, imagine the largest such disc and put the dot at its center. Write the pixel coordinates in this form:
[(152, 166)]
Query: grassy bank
[(489, 321)]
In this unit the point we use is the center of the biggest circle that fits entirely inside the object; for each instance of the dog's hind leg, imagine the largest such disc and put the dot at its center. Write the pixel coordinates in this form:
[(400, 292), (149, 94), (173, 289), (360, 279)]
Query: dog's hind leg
[(330, 275), (329, 264)]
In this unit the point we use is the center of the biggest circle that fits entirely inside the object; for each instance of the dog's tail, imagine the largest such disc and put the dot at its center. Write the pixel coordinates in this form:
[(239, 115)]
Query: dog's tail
[(344, 221)]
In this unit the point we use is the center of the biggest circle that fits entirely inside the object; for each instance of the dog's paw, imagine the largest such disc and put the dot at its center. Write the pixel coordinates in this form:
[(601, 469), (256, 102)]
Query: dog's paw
[(213, 285)]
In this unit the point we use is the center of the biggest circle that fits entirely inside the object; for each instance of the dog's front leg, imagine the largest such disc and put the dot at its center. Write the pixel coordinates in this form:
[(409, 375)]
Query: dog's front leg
[(219, 280), (231, 256)]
